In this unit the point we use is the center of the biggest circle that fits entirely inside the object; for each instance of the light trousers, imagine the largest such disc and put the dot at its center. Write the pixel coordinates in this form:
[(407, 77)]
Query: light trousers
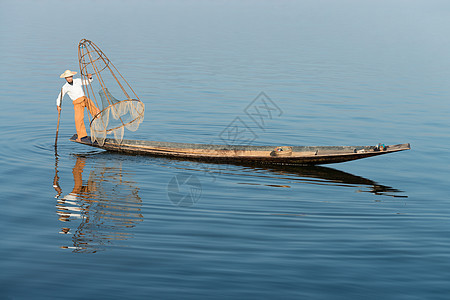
[(78, 106)]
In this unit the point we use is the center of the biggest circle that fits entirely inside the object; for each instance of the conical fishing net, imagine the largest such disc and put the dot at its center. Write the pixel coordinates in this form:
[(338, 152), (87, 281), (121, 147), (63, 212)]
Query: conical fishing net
[(119, 105)]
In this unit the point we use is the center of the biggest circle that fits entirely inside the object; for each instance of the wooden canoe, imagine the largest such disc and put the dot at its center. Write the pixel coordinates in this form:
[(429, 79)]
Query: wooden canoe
[(260, 155)]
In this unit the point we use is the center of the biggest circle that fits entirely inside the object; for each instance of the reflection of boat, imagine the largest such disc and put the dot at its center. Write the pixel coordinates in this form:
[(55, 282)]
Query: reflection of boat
[(287, 174), (328, 176), (270, 155), (107, 205)]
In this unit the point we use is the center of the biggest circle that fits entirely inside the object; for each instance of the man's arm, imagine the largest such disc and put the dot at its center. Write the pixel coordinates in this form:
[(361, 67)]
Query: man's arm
[(58, 100)]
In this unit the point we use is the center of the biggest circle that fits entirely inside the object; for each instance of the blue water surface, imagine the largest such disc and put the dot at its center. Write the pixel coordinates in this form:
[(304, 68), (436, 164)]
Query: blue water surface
[(80, 222)]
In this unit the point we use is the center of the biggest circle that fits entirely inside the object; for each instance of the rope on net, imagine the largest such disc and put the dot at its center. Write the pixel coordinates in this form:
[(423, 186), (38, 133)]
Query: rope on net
[(115, 114)]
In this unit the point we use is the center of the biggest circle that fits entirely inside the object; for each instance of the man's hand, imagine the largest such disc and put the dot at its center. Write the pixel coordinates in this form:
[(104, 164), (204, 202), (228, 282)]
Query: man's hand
[(59, 108)]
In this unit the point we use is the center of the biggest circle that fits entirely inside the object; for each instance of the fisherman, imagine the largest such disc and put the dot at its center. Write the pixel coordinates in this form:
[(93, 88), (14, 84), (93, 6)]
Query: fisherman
[(75, 90)]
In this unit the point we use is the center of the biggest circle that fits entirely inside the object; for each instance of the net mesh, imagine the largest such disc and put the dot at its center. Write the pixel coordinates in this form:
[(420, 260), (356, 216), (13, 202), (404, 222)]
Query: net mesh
[(119, 105)]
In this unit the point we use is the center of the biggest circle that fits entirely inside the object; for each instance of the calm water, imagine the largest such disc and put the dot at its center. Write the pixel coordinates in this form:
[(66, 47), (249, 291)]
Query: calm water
[(83, 223)]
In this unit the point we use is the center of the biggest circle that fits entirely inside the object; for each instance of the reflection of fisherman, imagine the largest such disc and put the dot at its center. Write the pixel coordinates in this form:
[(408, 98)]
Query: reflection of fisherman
[(68, 203), (102, 218), (75, 90)]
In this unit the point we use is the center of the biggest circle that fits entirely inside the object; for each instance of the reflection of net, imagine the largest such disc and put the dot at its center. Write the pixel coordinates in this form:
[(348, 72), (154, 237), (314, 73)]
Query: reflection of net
[(116, 113)]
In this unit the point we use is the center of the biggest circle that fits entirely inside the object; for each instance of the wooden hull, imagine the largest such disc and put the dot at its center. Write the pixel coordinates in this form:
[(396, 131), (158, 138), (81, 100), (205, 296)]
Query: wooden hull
[(261, 155)]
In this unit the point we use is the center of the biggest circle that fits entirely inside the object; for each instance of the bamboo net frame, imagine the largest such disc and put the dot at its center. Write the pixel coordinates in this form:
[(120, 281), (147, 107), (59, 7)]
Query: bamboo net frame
[(115, 114)]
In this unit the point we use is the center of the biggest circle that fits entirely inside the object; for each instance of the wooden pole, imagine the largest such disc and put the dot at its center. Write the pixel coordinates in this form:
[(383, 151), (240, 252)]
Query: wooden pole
[(59, 115)]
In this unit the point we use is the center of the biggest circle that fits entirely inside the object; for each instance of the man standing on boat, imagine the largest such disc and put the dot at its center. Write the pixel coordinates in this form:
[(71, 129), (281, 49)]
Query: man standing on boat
[(74, 88)]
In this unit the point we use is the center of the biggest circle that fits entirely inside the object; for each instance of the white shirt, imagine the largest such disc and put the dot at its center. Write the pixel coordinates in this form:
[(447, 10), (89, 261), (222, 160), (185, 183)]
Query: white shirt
[(74, 90)]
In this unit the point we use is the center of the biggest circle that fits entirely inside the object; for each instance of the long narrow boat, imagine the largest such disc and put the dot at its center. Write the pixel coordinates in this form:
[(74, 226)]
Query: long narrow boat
[(260, 155)]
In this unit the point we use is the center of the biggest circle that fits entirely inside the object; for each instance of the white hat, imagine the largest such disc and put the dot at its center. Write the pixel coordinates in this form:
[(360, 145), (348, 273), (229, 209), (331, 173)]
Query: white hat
[(67, 73)]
